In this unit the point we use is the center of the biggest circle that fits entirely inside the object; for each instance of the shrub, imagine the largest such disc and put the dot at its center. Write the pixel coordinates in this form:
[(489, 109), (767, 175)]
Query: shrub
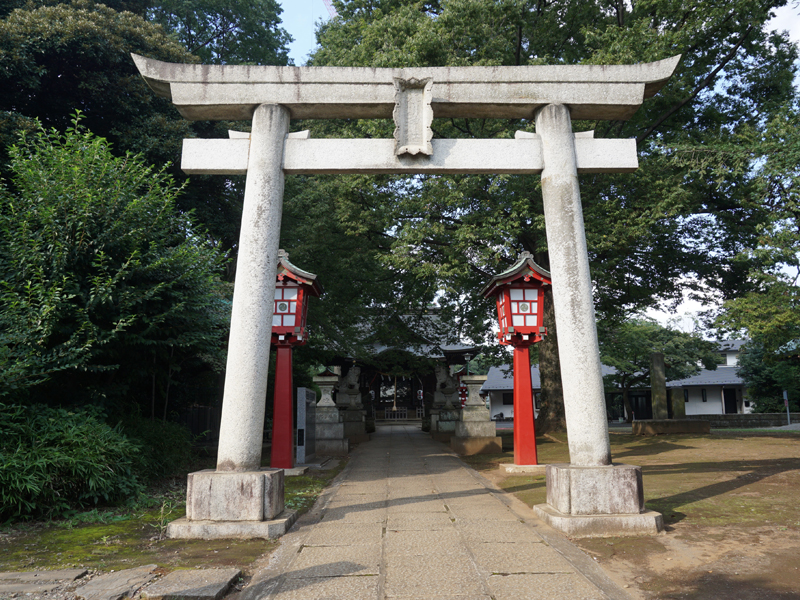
[(166, 448), (53, 460)]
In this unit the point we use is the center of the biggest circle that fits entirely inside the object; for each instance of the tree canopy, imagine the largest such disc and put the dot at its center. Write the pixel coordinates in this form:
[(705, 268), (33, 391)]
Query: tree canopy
[(653, 235), (99, 274), (628, 347)]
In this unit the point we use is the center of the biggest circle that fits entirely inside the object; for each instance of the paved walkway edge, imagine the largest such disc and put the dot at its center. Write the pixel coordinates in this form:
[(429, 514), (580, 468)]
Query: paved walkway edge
[(577, 557)]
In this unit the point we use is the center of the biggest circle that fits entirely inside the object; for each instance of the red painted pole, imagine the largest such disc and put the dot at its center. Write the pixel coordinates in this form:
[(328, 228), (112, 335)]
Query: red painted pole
[(524, 431), (282, 417)]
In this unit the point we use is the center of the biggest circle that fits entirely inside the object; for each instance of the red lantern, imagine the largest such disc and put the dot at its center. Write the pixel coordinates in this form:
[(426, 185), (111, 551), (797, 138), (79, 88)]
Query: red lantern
[(292, 291), (520, 311), (293, 288)]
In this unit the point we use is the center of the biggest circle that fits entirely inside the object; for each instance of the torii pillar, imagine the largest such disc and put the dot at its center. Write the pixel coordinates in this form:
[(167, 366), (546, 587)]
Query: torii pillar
[(589, 496)]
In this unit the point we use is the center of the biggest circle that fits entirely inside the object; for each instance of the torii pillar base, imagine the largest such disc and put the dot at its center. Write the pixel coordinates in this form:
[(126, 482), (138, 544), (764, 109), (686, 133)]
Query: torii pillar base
[(597, 502)]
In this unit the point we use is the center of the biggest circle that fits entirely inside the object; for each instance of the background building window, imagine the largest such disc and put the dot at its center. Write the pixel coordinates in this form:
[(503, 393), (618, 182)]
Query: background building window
[(704, 395), (685, 395), (508, 398)]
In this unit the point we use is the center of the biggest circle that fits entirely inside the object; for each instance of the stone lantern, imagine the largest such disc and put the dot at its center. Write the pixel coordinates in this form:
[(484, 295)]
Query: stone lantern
[(293, 288), (520, 310)]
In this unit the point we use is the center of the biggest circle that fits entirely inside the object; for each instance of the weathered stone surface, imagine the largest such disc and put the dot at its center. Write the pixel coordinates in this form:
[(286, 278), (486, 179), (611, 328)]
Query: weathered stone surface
[(115, 586), (413, 116), (32, 582), (467, 429), (242, 421), (199, 584), (578, 348), (232, 92), (325, 156), (467, 446), (530, 469), (661, 427), (678, 403), (333, 447), (221, 530), (229, 496), (648, 522), (610, 490)]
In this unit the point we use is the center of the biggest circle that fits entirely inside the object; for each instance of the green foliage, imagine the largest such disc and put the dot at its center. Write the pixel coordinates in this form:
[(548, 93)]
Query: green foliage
[(54, 460), (166, 447), (628, 347), (68, 57), (100, 274), (766, 378), (226, 32)]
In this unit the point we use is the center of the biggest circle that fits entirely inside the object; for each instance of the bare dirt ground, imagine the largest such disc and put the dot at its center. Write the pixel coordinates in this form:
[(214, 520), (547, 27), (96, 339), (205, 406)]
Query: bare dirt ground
[(731, 507)]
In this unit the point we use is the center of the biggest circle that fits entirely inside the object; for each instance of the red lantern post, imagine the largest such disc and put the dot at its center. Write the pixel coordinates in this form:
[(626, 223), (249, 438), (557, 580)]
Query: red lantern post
[(293, 288), (519, 311)]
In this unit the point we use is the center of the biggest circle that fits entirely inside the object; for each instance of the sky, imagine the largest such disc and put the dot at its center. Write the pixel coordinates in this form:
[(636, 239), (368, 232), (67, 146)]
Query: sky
[(301, 16)]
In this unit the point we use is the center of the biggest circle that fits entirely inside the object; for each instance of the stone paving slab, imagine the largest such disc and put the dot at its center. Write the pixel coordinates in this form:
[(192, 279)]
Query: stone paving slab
[(419, 521), (43, 576), (345, 534), (198, 584), (329, 588), (355, 515), (543, 587), (520, 557), (34, 582), (479, 530), (423, 526), (115, 586), (425, 578), (336, 561)]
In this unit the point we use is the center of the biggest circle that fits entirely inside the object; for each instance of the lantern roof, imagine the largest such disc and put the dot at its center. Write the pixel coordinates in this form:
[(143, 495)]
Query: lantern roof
[(525, 267), (303, 277)]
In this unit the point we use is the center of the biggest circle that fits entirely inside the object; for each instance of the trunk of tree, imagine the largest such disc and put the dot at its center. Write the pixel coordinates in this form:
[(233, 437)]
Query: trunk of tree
[(626, 402), (551, 414)]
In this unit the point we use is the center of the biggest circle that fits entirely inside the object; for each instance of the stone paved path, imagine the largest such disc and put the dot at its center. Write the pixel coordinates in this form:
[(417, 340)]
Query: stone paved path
[(408, 520)]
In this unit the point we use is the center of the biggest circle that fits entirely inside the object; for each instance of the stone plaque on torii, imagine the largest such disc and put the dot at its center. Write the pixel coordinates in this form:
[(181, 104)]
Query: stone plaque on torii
[(587, 496)]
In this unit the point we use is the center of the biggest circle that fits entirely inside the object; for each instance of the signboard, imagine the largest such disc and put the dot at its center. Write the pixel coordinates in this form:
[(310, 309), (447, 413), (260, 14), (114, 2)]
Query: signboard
[(306, 425)]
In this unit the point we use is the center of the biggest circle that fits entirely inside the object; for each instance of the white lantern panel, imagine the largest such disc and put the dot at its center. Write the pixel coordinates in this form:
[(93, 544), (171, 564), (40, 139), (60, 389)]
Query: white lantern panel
[(288, 321), (531, 294), (290, 293), (278, 294), (276, 320), (525, 307), (282, 306), (514, 307), (530, 320), (292, 307), (518, 320), (517, 294)]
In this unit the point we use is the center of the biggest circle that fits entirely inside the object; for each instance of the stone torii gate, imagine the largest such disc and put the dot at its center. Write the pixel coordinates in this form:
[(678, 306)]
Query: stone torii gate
[(588, 496)]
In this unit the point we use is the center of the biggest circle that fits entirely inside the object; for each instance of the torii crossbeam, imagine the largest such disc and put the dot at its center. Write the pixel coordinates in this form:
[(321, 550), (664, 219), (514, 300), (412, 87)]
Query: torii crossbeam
[(413, 97)]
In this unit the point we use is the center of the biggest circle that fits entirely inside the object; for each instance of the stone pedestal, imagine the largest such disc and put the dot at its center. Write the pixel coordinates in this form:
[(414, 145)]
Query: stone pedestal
[(331, 440), (245, 504), (355, 428), (474, 432), (597, 501), (445, 425)]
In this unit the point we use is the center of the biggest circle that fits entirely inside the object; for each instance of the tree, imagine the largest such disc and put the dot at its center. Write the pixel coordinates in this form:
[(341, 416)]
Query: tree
[(105, 286), (651, 234), (766, 376), (221, 31), (628, 348)]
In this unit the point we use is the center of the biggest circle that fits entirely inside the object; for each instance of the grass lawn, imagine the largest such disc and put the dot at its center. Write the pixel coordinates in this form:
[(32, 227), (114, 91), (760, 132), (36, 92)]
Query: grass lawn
[(730, 505)]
